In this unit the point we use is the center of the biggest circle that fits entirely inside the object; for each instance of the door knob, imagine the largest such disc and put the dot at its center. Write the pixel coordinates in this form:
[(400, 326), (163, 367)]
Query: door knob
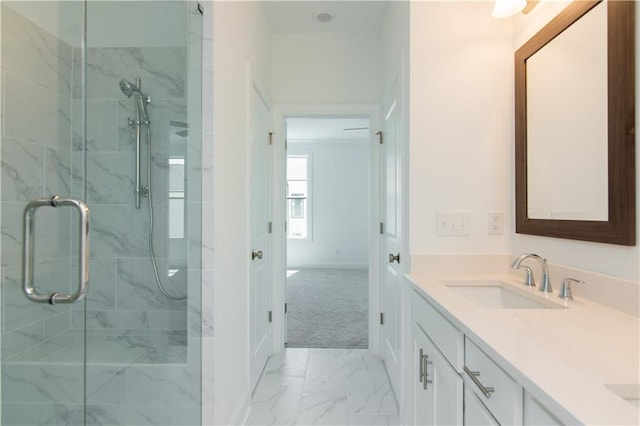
[(256, 254), (394, 258)]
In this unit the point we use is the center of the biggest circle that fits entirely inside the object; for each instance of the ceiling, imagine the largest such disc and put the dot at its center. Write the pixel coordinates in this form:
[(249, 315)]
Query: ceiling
[(316, 128), (291, 17)]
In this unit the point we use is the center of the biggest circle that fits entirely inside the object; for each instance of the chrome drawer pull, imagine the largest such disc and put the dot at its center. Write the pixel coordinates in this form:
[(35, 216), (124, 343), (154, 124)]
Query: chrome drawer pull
[(425, 362), (486, 391)]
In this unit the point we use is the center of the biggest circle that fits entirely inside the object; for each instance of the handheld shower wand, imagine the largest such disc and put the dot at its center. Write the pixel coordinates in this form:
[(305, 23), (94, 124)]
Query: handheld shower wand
[(142, 119)]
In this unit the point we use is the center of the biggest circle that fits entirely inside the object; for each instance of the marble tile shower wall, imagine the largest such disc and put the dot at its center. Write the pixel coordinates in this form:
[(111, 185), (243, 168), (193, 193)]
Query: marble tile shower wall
[(124, 295), (36, 162)]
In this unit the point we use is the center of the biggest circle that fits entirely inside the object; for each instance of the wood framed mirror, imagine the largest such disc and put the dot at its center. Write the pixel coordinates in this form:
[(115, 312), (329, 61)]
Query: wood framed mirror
[(616, 222)]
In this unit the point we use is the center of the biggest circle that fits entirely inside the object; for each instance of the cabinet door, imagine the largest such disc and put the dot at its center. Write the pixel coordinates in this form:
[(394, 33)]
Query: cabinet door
[(536, 414), (475, 413), (439, 402)]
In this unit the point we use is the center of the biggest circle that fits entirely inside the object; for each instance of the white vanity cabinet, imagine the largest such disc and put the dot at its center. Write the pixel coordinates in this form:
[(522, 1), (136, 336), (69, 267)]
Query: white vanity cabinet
[(455, 382), (437, 386)]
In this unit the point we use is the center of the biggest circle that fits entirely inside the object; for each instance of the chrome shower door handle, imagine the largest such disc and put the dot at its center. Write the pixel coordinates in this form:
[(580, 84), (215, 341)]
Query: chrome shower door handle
[(29, 243)]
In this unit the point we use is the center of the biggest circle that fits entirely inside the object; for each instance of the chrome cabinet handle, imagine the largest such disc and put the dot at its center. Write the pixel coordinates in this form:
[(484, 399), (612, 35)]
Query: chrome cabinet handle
[(421, 366), (28, 252), (394, 258), (256, 255), (426, 362), (486, 390)]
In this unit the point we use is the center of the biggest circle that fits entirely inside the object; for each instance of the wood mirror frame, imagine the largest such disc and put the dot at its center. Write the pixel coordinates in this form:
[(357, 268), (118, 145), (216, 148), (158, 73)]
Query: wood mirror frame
[(620, 228)]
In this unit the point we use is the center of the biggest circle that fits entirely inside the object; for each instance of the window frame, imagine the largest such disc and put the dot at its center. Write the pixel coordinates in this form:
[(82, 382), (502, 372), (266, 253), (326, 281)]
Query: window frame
[(308, 200)]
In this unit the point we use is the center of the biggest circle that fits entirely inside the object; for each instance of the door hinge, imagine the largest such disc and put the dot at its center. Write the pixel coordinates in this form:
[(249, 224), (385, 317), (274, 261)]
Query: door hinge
[(286, 144), (270, 316), (285, 308), (270, 138), (381, 318), (381, 228), (270, 227), (380, 136)]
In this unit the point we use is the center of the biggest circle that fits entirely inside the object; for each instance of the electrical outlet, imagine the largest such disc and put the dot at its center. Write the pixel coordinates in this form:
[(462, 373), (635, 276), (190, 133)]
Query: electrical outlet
[(495, 223)]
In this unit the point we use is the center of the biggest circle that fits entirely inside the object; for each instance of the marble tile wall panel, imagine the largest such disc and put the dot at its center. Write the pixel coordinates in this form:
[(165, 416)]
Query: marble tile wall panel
[(43, 382), (142, 415), (118, 231), (22, 170), (11, 230), (29, 414), (111, 319), (135, 289), (21, 338), (168, 320), (35, 114), (162, 70), (163, 385), (106, 384), (194, 306), (102, 285), (58, 172), (18, 311), (102, 125), (34, 54)]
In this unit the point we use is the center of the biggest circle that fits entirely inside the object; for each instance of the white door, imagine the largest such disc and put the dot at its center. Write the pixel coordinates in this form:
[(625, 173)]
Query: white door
[(391, 236), (260, 214)]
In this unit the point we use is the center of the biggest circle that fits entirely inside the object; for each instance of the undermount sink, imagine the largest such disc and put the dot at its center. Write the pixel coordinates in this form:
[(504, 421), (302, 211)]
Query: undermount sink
[(630, 392), (494, 294)]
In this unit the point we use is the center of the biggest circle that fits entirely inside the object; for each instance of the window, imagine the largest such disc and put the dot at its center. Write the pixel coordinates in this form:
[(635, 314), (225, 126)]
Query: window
[(176, 198), (298, 197)]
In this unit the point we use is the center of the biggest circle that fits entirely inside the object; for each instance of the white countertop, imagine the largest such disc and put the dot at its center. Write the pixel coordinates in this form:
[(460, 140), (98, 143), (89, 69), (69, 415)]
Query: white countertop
[(562, 357)]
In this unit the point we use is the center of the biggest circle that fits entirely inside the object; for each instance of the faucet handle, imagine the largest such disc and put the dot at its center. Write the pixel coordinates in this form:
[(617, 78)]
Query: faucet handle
[(529, 280), (565, 288)]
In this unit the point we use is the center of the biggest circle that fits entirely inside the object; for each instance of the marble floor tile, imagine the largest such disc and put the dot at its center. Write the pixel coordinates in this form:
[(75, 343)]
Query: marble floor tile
[(324, 387), (291, 362)]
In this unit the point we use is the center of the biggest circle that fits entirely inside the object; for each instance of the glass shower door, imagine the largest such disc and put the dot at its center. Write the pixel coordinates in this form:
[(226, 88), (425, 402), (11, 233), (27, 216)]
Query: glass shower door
[(41, 148)]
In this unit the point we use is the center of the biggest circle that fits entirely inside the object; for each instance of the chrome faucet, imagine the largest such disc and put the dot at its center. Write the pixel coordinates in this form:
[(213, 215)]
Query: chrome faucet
[(545, 282), (565, 288)]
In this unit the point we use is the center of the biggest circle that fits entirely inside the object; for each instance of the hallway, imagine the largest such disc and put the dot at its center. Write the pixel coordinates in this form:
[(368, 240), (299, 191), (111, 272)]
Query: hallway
[(324, 387)]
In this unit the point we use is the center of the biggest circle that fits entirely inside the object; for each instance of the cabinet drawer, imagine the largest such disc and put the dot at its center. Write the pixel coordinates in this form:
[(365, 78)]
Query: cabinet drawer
[(497, 391), (448, 339)]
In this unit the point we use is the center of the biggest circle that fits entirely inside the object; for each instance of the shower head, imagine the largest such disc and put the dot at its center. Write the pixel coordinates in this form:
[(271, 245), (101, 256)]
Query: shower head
[(128, 88)]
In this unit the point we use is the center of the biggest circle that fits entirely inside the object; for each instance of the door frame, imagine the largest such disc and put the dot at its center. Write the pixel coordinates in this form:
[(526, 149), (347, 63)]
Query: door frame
[(279, 253)]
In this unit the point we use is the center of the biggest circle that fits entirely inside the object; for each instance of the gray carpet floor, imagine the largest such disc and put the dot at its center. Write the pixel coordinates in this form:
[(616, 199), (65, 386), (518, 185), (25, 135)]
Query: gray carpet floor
[(328, 308)]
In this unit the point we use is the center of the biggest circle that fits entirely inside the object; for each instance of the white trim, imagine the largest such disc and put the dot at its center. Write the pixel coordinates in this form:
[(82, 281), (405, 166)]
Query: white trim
[(280, 112)]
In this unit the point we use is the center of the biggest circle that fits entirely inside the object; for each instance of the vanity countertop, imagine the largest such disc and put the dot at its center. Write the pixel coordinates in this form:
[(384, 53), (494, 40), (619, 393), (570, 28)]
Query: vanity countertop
[(562, 357)]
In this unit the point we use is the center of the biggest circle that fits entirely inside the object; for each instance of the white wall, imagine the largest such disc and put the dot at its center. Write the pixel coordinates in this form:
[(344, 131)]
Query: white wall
[(461, 124), (618, 261), (240, 36), (339, 203), (326, 68)]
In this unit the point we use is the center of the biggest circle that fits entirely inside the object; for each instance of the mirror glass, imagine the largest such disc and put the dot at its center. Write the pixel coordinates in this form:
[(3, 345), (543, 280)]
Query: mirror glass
[(567, 123)]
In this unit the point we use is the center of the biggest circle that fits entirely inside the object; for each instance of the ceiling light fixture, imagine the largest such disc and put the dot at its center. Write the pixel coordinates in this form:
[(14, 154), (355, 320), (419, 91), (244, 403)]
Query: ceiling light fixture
[(506, 8), (324, 17)]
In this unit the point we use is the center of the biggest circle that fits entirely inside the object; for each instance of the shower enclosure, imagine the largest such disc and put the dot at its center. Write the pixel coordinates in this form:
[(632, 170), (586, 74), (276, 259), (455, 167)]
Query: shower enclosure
[(101, 104)]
